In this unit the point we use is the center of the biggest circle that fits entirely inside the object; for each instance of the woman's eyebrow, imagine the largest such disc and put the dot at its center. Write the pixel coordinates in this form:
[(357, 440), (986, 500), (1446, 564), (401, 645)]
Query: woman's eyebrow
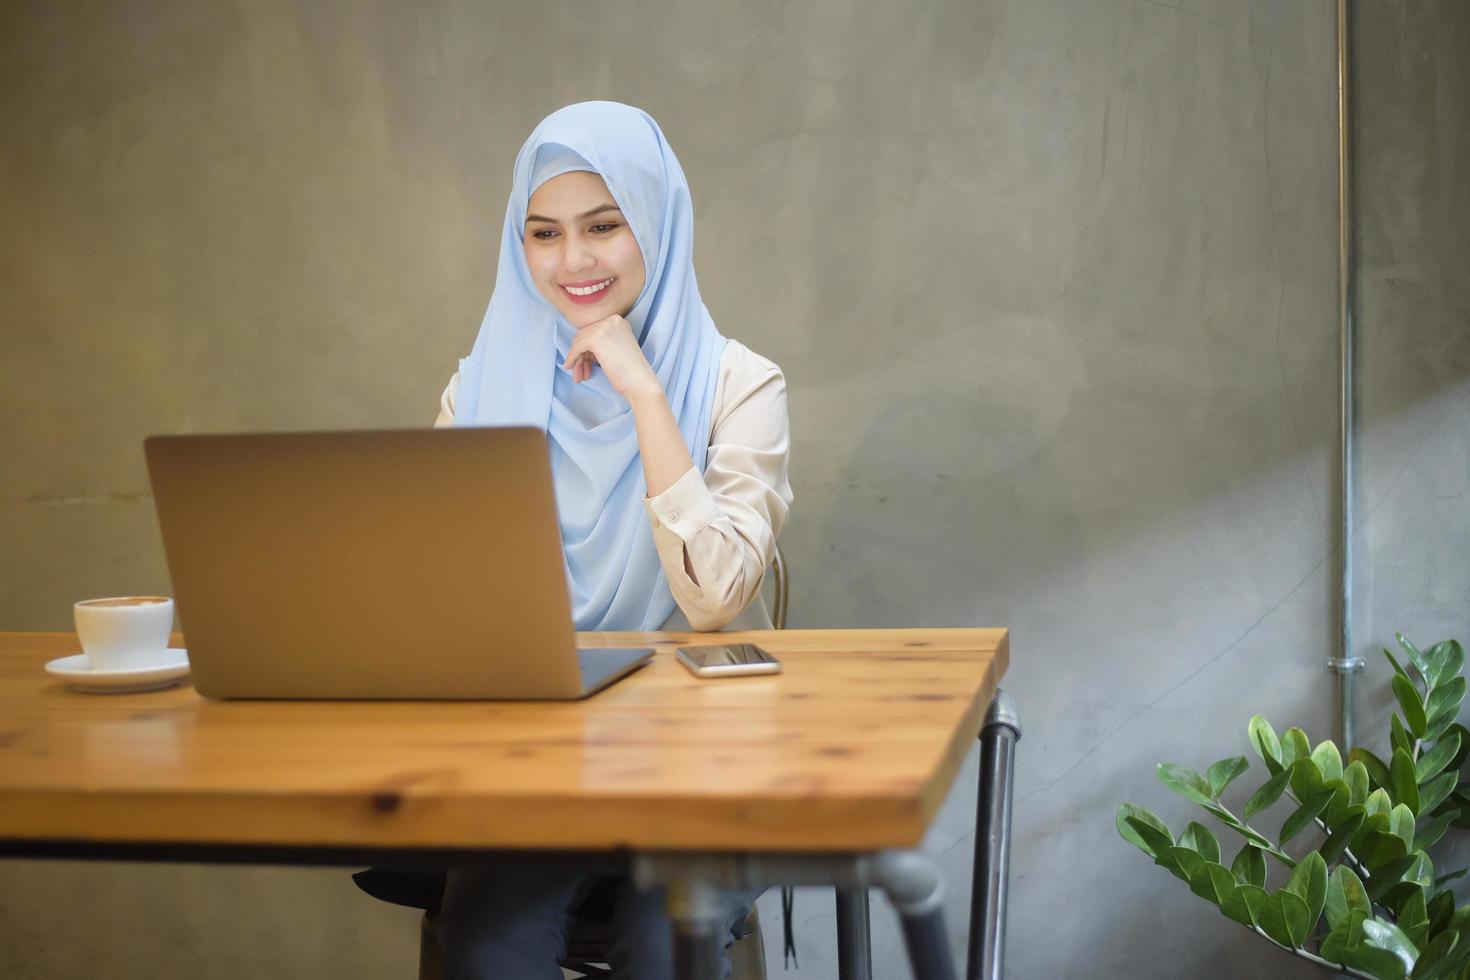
[(585, 214)]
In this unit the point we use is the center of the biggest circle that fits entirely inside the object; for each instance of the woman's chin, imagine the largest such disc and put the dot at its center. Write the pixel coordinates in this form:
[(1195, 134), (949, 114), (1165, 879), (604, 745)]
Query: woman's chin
[(582, 317)]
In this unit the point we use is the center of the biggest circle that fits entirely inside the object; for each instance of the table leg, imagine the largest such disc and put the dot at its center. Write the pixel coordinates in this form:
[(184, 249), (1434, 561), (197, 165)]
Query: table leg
[(694, 907), (854, 944), (998, 737), (915, 887)]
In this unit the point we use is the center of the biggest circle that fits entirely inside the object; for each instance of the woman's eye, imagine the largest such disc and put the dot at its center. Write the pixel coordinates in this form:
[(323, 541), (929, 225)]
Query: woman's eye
[(604, 229), (544, 234)]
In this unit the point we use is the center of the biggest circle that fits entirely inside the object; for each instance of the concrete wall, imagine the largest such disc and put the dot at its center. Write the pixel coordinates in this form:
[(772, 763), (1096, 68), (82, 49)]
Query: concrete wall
[(1053, 284)]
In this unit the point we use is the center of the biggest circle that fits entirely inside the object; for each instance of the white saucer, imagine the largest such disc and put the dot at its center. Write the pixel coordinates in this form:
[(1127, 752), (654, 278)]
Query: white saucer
[(170, 668)]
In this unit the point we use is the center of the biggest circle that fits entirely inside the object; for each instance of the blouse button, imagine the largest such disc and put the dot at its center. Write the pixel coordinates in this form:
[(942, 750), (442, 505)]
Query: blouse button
[(673, 516)]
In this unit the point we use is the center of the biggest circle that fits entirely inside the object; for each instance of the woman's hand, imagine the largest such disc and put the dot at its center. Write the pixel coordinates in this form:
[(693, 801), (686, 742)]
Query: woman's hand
[(610, 344)]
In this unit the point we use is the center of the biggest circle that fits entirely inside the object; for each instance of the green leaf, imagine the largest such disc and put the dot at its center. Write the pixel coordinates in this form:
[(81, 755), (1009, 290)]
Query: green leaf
[(1186, 862), (1249, 866), (1454, 661), (1356, 777), (1405, 789), (1434, 954), (1446, 697), (1398, 736), (1377, 769), (1309, 882), (1306, 778), (1443, 880), (1384, 877), (1222, 773), (1377, 821), (1298, 918), (1393, 884), (1328, 759), (1445, 661), (1244, 904), (1429, 834), (1344, 893), (1441, 722), (1185, 781), (1400, 824), (1302, 816), (1342, 833), (1294, 746), (1441, 907), (1435, 792), (1337, 800), (1378, 802), (1264, 741), (1380, 963), (1284, 917), (1460, 756), (1143, 829), (1421, 871), (1145, 836), (1334, 947), (1221, 814), (1273, 921), (1197, 837), (1381, 849), (1460, 921), (1388, 937), (1269, 793), (1214, 884), (1409, 700), (1263, 842), (1414, 918), (1432, 763), (1461, 801), (1420, 662), (1397, 667)]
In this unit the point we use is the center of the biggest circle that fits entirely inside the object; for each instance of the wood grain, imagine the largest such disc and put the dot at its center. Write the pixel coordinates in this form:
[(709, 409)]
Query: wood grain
[(853, 747)]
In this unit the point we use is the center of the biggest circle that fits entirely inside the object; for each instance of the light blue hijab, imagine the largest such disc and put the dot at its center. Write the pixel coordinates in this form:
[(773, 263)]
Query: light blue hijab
[(513, 375)]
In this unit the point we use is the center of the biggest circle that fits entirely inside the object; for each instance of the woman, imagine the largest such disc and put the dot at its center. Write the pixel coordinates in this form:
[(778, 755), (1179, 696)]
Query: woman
[(668, 449)]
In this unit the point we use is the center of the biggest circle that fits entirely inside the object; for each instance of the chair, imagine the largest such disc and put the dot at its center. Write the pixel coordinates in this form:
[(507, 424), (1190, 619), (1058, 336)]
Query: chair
[(591, 933)]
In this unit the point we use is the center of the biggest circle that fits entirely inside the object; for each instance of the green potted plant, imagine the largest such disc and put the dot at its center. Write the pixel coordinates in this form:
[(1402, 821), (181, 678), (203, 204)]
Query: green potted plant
[(1358, 890)]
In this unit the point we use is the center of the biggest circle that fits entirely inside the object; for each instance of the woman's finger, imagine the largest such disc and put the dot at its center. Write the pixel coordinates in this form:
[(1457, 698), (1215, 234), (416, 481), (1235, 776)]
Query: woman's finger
[(572, 355)]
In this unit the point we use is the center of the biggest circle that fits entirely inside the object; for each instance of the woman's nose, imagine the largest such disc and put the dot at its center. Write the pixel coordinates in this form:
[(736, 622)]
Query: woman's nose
[(577, 256)]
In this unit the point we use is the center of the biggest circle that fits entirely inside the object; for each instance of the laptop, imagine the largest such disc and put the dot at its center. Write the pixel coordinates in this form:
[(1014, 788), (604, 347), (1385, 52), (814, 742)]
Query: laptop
[(418, 563)]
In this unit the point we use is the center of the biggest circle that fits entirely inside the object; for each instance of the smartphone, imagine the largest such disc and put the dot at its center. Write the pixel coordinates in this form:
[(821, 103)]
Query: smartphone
[(730, 660)]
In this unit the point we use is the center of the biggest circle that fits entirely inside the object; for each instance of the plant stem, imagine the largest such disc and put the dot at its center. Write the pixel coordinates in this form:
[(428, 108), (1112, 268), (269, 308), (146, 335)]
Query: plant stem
[(1358, 866), (1304, 954)]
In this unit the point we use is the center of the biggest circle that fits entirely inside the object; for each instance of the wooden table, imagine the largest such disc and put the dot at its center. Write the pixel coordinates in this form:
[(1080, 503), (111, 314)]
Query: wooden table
[(846, 754)]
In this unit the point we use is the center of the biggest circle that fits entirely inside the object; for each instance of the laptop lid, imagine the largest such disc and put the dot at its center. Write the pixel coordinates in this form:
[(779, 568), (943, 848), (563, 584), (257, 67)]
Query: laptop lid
[(387, 564)]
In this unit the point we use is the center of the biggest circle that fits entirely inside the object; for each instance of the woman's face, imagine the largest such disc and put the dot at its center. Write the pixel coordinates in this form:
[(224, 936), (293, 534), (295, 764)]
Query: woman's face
[(580, 251)]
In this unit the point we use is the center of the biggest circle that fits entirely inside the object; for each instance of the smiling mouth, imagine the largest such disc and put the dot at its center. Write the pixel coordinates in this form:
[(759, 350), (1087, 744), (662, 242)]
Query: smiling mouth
[(587, 291)]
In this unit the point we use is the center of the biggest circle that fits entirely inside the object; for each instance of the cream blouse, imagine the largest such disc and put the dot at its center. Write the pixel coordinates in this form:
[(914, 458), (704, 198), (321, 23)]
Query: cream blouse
[(725, 522)]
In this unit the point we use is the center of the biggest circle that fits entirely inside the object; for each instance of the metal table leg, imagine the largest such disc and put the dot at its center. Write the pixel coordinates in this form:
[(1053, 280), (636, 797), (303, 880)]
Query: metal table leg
[(694, 907), (854, 945), (998, 737), (915, 887), (692, 882)]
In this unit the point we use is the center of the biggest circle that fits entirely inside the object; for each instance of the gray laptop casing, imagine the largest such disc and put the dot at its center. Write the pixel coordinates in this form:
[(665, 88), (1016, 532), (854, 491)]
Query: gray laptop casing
[(415, 563)]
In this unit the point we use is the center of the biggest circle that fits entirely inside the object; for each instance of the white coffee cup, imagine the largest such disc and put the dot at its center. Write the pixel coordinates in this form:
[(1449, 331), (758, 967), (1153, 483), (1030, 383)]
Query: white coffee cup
[(124, 632)]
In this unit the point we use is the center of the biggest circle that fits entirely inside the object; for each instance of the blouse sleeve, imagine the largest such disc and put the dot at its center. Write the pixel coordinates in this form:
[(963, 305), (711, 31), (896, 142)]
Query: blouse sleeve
[(716, 534)]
